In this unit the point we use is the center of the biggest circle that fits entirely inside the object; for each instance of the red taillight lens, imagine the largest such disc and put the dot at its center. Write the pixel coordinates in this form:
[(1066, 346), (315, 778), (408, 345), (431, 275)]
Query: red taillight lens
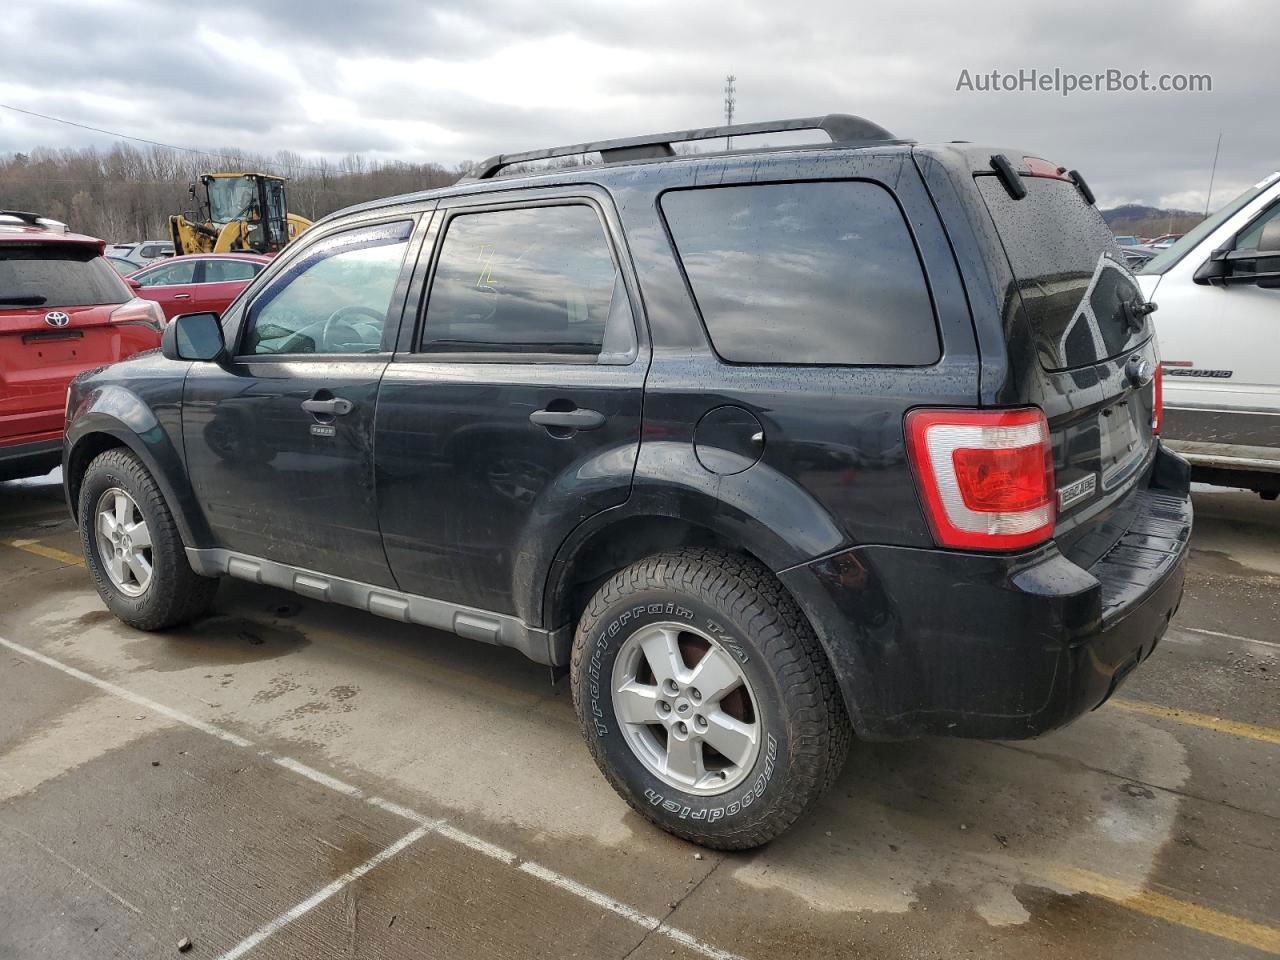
[(986, 477), (139, 311), (1157, 399)]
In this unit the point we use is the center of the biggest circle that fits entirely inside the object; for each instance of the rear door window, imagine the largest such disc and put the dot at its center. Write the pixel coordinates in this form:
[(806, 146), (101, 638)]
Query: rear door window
[(534, 281), (820, 272), (57, 275), (1076, 290), (222, 271)]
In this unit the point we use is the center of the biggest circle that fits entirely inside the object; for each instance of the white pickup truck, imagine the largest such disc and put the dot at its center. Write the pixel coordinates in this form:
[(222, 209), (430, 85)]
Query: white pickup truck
[(1218, 293)]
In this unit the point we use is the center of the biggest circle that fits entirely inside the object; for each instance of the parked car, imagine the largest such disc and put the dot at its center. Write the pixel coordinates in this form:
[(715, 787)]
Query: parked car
[(63, 310), (763, 448), (122, 267), (1165, 241), (1218, 289), (142, 252), (198, 282), (1126, 240)]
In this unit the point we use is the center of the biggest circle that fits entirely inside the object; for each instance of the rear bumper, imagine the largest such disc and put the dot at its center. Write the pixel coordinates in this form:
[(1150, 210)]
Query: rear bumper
[(1007, 647), (30, 459)]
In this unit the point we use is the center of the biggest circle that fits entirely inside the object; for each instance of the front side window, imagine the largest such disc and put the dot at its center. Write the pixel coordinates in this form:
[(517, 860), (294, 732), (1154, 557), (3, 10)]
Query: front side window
[(334, 298), (181, 271), (817, 273), (539, 280)]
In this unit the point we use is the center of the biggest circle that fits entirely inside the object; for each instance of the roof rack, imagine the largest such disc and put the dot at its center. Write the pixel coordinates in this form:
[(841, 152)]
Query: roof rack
[(35, 220), (840, 127), (32, 219)]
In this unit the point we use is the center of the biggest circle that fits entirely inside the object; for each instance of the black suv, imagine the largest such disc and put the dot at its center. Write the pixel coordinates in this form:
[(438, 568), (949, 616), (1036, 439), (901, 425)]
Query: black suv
[(767, 447)]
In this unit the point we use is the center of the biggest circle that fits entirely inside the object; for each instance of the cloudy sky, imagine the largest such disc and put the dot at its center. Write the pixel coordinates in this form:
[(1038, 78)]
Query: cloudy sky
[(449, 80)]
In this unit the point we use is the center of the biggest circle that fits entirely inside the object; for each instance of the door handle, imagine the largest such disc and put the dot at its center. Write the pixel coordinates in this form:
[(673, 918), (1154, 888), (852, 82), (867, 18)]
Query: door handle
[(337, 407), (182, 296), (576, 419)]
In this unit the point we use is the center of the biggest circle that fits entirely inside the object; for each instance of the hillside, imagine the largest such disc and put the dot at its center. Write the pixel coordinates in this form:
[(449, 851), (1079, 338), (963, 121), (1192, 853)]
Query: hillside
[(1143, 221)]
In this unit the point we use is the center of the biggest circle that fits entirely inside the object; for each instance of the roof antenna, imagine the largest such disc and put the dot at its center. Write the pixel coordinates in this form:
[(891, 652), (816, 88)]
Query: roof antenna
[(730, 101)]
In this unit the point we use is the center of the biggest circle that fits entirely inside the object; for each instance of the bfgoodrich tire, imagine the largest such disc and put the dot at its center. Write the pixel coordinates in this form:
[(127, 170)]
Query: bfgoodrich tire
[(132, 548), (705, 698)]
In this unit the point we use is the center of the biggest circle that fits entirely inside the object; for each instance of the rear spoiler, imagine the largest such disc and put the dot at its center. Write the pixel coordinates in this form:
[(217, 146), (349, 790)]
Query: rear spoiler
[(1011, 177)]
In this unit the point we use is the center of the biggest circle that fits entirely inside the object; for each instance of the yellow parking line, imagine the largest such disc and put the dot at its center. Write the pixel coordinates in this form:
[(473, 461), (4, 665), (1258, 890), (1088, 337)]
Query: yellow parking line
[(1191, 915), (1235, 728), (41, 550)]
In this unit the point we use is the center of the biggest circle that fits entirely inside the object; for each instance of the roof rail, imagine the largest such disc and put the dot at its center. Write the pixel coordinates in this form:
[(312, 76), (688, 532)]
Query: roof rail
[(840, 127)]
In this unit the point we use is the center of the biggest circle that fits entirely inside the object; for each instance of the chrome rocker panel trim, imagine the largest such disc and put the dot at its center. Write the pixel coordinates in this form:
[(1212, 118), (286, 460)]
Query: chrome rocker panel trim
[(499, 629)]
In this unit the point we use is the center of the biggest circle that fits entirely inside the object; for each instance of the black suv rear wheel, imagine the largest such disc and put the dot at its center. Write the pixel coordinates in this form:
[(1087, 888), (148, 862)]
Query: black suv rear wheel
[(132, 547), (705, 699)]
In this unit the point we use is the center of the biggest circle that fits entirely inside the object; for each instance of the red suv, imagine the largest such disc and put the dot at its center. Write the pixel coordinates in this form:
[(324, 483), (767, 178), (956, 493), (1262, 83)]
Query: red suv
[(63, 310)]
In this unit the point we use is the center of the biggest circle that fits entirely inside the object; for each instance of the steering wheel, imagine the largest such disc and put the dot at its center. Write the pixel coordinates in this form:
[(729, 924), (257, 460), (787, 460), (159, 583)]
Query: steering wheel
[(340, 315)]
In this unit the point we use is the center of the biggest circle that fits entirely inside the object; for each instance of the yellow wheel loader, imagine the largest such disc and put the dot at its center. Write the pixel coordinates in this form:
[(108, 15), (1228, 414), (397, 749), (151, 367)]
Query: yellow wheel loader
[(239, 212)]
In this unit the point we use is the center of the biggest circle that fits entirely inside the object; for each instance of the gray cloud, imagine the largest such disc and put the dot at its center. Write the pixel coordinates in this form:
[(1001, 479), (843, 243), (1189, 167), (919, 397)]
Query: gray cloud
[(452, 80)]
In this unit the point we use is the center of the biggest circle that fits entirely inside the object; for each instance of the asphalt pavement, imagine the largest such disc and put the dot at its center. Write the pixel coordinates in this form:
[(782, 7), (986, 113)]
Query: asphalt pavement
[(290, 779)]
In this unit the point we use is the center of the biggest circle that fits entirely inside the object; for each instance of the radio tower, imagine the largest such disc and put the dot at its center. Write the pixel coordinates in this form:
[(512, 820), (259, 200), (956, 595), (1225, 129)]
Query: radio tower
[(729, 101)]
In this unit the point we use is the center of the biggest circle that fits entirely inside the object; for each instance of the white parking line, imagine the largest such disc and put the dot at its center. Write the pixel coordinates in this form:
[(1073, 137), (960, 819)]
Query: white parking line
[(321, 895), (426, 825), (1228, 636), (123, 694)]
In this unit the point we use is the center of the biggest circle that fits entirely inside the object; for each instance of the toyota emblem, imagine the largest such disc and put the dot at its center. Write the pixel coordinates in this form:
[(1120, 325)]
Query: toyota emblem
[(56, 318)]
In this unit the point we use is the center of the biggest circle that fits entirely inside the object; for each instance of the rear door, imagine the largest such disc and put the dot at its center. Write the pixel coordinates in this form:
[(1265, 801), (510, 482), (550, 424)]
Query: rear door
[(173, 285), (513, 411), (56, 306), (1094, 364), (221, 281)]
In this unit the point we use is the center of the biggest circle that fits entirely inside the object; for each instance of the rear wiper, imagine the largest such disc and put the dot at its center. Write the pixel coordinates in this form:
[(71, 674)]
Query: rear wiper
[(1136, 311), (33, 301)]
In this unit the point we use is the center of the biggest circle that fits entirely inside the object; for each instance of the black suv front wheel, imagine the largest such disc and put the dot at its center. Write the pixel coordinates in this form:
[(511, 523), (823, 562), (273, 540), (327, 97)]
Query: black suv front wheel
[(705, 699), (132, 547)]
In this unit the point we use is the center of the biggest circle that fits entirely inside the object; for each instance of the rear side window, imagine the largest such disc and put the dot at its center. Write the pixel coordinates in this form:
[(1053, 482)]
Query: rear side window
[(57, 275), (1076, 291), (222, 271), (539, 280), (805, 273)]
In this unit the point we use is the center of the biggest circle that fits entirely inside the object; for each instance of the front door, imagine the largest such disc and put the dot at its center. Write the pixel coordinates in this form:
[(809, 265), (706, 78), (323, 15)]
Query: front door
[(514, 412), (173, 285), (279, 438), (1218, 344)]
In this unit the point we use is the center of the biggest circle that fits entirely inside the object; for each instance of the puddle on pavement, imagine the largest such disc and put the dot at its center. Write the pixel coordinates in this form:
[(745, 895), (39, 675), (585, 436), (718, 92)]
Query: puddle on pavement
[(216, 641), (984, 819)]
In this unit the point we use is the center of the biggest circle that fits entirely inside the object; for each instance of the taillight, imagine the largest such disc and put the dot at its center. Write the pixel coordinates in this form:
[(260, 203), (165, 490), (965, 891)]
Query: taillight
[(986, 477), (139, 311), (1157, 399)]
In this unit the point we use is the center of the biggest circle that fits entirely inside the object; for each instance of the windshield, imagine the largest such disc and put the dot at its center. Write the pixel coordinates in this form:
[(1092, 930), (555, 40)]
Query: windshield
[(233, 198), (1180, 248)]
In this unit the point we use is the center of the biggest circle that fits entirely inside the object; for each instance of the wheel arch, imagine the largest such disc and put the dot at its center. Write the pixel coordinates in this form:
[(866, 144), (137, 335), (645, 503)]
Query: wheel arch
[(95, 433)]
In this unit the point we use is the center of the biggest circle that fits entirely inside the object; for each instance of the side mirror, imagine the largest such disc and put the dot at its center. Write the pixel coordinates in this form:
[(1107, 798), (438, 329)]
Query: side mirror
[(193, 336), (133, 283)]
